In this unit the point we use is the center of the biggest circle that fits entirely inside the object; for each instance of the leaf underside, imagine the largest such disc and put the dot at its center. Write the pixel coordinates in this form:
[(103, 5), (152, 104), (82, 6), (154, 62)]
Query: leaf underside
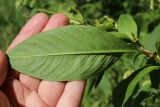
[(73, 52)]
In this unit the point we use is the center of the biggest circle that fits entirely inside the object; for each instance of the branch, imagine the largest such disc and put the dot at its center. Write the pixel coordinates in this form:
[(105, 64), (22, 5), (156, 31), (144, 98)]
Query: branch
[(147, 53)]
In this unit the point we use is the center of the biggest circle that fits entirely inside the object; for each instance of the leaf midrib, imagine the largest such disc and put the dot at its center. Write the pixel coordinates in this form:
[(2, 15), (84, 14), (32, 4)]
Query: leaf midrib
[(78, 53)]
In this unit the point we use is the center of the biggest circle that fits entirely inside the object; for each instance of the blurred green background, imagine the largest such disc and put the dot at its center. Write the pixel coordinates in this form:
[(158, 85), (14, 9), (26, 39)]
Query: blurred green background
[(101, 13)]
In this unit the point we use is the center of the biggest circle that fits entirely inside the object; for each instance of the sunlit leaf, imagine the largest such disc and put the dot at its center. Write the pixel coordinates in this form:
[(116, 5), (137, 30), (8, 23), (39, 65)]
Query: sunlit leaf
[(127, 25)]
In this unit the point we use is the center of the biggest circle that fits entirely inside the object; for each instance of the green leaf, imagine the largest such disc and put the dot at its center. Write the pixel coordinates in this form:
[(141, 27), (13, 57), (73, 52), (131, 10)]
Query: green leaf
[(72, 52), (127, 25), (122, 36), (149, 41), (105, 23), (127, 87), (100, 76), (75, 17), (136, 79)]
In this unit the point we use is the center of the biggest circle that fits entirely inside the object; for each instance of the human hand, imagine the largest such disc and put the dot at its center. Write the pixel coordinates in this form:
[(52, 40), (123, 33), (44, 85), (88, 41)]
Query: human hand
[(26, 91)]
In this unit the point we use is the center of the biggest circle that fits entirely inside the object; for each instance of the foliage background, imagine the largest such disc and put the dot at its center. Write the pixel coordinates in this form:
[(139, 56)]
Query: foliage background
[(14, 13)]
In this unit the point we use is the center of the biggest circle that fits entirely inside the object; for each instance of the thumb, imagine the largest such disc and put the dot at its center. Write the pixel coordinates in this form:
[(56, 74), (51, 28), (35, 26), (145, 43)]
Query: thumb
[(3, 67)]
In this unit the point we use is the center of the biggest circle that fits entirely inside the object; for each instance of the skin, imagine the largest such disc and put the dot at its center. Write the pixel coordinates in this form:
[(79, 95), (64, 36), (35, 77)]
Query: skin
[(20, 90)]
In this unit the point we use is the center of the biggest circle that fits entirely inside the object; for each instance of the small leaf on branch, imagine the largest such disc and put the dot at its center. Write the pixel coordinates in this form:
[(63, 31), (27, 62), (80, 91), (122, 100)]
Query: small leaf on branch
[(127, 25)]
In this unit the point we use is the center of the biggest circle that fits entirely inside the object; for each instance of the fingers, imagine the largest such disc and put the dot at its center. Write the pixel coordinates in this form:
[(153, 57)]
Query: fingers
[(3, 67), (33, 100), (56, 21), (30, 82), (50, 92), (32, 27), (15, 91), (72, 94)]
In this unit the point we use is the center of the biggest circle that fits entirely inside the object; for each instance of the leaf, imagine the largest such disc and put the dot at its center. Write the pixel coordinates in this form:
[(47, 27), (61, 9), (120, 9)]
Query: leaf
[(94, 82), (134, 82), (72, 52), (75, 17), (149, 41), (122, 36), (105, 23), (127, 87), (100, 76), (127, 25)]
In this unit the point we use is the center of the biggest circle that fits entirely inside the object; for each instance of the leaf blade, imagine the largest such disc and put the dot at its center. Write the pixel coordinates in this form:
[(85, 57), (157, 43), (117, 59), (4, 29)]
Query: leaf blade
[(126, 88), (134, 82), (127, 25), (68, 53)]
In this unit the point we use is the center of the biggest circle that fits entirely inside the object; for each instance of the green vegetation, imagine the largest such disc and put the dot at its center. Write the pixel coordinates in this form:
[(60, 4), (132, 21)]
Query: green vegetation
[(133, 81)]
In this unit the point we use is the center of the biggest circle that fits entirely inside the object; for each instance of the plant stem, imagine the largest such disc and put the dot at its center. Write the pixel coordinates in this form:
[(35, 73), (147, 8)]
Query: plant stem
[(146, 52)]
